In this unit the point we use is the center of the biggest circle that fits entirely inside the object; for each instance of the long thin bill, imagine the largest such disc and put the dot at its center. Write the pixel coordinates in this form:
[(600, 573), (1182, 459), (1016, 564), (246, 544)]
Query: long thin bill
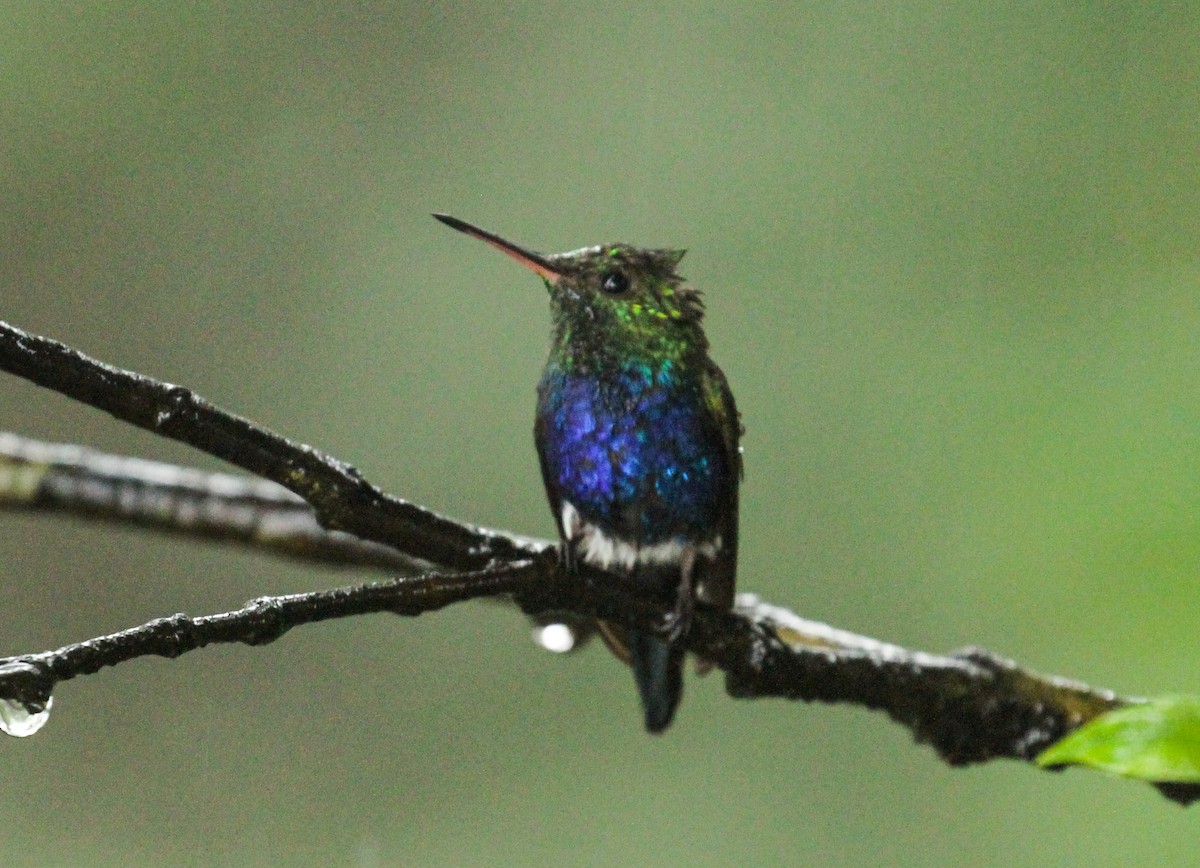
[(535, 262)]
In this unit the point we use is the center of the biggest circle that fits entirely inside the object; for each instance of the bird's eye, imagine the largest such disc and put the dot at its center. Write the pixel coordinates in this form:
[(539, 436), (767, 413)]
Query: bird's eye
[(614, 283)]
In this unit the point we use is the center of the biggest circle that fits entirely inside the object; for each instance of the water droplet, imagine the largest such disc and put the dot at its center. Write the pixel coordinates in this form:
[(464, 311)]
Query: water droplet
[(558, 638), (18, 719)]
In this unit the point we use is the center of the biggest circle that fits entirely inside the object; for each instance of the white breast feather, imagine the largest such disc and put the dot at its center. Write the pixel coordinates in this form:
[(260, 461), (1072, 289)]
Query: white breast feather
[(606, 551)]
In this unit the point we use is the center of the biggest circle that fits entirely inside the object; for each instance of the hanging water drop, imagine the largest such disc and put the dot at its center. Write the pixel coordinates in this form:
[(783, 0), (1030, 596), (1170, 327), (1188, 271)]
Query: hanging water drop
[(18, 719), (559, 638)]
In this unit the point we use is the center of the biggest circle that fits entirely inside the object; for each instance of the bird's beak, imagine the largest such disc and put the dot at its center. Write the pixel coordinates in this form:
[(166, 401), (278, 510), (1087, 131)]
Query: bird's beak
[(535, 262)]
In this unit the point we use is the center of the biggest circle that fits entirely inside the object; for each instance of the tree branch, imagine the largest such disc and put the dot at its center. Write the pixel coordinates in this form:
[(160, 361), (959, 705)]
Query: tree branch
[(971, 706), (52, 477), (341, 498), (30, 678)]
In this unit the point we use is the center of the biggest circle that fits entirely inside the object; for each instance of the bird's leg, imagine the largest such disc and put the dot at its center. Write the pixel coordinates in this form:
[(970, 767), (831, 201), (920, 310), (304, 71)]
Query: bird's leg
[(567, 557), (569, 529), (677, 621)]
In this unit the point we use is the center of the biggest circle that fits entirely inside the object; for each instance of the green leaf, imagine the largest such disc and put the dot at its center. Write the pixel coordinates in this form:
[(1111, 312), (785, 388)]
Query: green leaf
[(1158, 741)]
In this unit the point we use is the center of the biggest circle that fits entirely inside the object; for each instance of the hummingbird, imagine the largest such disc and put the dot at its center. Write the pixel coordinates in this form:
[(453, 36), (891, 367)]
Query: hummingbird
[(637, 436)]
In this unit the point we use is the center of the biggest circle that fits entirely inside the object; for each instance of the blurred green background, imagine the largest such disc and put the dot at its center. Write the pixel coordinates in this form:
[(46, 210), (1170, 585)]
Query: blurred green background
[(950, 255)]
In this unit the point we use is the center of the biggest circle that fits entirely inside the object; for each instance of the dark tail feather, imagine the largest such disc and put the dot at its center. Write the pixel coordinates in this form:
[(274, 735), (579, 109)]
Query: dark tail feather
[(658, 668)]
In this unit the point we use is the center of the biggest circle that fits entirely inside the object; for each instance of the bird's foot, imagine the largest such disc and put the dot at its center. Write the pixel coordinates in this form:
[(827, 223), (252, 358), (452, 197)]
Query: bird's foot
[(676, 622)]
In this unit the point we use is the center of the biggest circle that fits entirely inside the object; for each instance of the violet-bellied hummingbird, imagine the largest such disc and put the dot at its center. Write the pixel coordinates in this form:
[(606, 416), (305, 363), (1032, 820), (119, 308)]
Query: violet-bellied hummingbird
[(637, 434)]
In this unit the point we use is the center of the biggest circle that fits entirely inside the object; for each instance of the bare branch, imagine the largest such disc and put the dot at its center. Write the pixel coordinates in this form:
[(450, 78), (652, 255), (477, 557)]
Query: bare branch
[(30, 679), (342, 499), (971, 706), (51, 477), (260, 513)]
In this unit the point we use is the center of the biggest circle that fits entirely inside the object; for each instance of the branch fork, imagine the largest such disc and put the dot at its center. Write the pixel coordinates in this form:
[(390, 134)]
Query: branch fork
[(971, 706)]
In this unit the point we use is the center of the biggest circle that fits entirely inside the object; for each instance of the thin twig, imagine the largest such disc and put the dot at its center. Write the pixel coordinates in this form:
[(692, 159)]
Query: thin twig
[(31, 678)]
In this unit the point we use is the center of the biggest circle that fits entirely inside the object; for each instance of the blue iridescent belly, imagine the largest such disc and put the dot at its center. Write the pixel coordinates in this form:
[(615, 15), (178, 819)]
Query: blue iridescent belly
[(636, 452)]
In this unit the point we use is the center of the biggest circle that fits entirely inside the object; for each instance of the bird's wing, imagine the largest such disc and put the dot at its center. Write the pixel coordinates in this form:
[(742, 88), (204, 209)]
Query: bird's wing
[(717, 580)]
